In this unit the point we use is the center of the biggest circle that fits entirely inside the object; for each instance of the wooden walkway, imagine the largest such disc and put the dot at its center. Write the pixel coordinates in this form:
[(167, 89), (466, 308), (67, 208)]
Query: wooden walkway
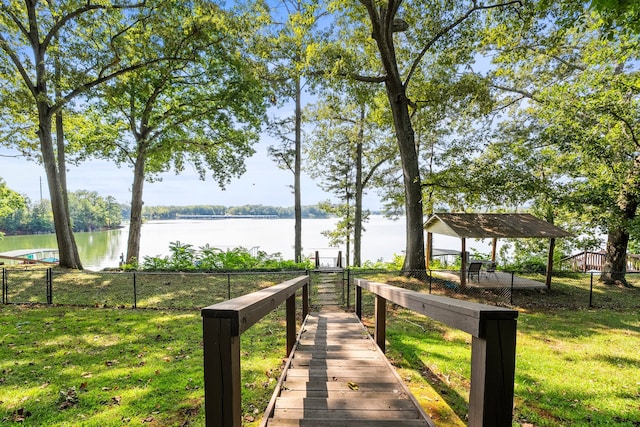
[(337, 376)]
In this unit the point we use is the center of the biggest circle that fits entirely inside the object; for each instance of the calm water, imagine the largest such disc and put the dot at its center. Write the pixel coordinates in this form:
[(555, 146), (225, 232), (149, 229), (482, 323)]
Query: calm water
[(383, 238)]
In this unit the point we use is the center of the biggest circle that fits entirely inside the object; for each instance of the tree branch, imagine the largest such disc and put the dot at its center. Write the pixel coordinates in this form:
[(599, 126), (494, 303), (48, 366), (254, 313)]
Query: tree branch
[(16, 61), (16, 21), (448, 28), (518, 91), (373, 169), (85, 87), (77, 12)]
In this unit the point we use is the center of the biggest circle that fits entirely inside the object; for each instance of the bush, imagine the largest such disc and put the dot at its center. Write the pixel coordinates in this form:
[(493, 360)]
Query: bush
[(184, 258), (532, 265)]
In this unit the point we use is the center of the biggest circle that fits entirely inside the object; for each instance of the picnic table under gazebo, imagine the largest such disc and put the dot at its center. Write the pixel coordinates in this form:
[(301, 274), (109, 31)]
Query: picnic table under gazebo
[(492, 226)]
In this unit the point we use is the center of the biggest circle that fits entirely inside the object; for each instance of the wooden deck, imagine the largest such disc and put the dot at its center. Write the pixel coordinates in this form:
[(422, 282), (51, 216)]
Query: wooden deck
[(337, 376)]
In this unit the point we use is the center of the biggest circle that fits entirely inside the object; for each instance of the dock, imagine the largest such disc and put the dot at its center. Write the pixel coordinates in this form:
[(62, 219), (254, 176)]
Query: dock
[(338, 376)]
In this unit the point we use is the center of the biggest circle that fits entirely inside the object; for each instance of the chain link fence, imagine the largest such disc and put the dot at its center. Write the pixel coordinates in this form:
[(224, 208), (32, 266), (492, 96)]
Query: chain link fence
[(32, 285), (132, 289), (508, 288)]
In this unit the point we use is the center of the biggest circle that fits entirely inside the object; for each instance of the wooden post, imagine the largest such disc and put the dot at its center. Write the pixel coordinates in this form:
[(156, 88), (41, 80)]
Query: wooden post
[(552, 245), (291, 323), (381, 322), (358, 301), (221, 374), (317, 259), (494, 247), (493, 360), (339, 262)]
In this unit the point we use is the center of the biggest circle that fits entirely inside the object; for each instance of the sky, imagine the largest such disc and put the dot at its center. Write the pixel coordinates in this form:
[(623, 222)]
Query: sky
[(263, 183)]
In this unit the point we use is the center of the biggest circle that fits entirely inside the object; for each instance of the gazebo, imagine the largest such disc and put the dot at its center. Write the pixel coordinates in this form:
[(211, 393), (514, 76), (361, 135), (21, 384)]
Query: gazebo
[(493, 226)]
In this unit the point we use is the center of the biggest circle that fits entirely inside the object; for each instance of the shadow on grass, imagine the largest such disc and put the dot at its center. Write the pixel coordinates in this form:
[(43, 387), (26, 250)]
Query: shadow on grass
[(108, 367)]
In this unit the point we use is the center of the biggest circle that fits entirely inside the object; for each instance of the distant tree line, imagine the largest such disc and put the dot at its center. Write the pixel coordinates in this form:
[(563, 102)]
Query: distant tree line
[(89, 212), (172, 212)]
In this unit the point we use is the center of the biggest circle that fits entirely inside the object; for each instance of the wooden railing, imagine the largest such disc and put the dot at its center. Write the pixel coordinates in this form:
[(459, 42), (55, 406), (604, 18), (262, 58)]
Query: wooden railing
[(493, 345), (222, 325)]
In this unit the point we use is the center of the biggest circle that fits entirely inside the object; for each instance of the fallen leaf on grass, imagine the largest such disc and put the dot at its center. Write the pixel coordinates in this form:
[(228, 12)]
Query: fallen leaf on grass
[(149, 419), (19, 415), (67, 398), (65, 405)]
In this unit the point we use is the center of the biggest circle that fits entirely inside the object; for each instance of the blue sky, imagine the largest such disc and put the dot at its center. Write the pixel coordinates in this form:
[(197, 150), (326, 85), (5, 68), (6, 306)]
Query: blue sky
[(263, 183)]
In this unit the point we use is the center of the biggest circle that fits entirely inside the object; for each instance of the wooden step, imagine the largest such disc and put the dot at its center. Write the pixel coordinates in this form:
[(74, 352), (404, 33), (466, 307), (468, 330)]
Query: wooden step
[(347, 423), (345, 404), (338, 376), (345, 414)]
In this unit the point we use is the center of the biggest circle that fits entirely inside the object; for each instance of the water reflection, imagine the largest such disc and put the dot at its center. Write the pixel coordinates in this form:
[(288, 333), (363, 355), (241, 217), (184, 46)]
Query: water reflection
[(102, 249)]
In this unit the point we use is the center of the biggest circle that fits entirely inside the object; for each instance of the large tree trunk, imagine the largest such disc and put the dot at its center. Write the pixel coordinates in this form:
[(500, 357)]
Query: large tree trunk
[(67, 248), (297, 172), (615, 262), (414, 257), (382, 32), (135, 220)]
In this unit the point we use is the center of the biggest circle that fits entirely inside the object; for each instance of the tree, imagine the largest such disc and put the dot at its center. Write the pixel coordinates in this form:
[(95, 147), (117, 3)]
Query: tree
[(10, 203), (435, 33), (52, 54), (618, 15), (292, 33), (202, 107), (90, 212), (583, 91), (345, 150)]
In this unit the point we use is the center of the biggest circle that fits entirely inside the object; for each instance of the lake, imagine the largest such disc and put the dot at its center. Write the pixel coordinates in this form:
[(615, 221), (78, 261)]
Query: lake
[(382, 239)]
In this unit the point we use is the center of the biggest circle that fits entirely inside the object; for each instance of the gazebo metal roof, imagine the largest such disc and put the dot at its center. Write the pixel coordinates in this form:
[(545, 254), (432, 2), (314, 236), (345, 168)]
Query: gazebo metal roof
[(491, 225)]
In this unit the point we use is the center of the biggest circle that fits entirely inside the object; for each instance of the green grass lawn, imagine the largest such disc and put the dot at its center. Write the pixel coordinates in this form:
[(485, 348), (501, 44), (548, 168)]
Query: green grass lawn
[(109, 367), (62, 366)]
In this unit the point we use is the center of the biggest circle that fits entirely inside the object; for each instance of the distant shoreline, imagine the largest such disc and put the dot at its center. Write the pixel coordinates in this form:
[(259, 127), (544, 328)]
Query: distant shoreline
[(249, 216)]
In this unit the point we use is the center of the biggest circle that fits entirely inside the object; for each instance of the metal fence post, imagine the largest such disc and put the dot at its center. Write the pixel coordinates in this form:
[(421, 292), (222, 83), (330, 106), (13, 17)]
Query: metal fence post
[(430, 280), (348, 288), (511, 293), (135, 292), (307, 272), (591, 292), (49, 285), (5, 290), (228, 285), (358, 301)]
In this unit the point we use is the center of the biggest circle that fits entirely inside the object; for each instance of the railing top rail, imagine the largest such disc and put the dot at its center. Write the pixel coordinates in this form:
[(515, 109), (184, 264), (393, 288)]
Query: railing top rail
[(464, 315), (246, 310)]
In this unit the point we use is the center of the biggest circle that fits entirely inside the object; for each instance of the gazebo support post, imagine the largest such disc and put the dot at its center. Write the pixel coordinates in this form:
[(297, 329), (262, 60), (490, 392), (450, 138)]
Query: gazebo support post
[(463, 264), (552, 245), (493, 249)]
